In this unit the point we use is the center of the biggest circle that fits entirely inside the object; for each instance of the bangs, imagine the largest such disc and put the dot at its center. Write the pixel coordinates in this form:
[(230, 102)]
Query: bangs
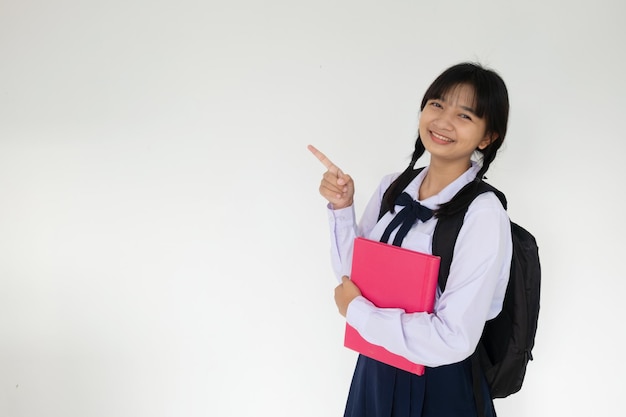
[(448, 84)]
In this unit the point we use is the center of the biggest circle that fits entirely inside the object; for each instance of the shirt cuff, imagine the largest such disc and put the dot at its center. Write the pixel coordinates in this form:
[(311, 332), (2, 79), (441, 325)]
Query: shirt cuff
[(358, 312), (341, 217)]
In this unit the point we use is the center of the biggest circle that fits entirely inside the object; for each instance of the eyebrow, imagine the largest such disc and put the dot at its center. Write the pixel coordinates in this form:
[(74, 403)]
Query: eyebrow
[(469, 109), (466, 108)]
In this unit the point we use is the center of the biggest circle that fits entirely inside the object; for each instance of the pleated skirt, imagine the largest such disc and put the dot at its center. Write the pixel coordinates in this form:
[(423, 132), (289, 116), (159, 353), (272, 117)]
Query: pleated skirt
[(380, 390)]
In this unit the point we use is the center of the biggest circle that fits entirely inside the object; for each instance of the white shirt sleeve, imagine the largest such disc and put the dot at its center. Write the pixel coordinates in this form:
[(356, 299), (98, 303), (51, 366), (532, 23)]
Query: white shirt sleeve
[(344, 229)]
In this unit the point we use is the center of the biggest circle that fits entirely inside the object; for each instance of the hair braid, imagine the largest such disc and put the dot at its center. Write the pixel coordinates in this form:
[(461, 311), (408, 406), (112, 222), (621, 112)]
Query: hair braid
[(400, 183)]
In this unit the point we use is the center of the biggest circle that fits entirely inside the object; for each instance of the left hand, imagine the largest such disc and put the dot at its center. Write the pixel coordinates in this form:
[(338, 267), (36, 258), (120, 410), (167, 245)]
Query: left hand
[(345, 293)]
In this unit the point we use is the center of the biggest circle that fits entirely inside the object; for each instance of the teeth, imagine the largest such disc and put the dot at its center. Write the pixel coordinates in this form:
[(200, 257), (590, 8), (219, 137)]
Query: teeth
[(445, 139)]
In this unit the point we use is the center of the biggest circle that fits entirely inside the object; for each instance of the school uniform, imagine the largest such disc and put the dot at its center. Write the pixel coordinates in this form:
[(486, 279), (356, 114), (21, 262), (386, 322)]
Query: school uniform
[(441, 341)]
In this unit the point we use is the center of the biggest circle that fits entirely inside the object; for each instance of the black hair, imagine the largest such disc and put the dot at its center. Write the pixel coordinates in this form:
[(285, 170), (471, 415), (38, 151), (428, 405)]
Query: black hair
[(491, 102)]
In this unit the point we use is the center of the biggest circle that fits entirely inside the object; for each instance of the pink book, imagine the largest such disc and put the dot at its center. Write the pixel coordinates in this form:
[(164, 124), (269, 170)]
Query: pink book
[(392, 277)]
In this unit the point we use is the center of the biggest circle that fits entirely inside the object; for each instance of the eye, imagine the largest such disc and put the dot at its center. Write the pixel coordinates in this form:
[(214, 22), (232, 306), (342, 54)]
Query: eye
[(465, 116), (436, 104)]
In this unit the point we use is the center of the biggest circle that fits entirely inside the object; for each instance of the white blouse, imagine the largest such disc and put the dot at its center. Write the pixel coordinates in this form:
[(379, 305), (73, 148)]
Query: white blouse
[(476, 284)]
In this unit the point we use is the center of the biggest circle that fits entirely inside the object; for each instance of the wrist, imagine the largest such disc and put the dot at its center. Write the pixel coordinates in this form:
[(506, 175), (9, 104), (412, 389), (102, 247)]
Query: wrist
[(339, 206)]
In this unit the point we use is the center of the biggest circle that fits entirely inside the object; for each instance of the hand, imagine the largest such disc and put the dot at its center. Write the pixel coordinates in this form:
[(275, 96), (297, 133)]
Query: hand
[(345, 293), (336, 187)]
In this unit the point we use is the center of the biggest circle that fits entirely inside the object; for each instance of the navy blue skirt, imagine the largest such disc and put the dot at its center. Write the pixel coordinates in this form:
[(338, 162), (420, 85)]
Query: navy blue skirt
[(380, 390)]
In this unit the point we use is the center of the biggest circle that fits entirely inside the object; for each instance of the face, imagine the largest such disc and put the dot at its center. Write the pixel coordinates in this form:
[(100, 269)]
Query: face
[(450, 129)]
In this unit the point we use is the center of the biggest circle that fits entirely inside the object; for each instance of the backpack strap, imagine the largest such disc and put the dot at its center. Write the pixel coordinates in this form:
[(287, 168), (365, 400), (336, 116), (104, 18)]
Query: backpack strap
[(444, 239), (448, 228), (477, 372)]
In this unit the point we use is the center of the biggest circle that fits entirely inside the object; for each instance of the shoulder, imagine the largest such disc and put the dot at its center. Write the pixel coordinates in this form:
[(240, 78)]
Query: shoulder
[(489, 198), (487, 209), (486, 220), (487, 201)]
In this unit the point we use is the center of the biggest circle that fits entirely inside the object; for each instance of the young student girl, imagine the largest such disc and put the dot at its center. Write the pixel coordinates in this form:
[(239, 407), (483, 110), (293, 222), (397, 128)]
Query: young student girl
[(462, 125)]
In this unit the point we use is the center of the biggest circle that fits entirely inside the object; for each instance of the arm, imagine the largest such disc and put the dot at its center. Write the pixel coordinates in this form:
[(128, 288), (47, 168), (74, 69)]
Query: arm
[(344, 229), (338, 189)]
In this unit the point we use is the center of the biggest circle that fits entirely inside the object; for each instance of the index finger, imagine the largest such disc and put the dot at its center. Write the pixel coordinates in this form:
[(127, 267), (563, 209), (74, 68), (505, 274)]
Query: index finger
[(324, 160)]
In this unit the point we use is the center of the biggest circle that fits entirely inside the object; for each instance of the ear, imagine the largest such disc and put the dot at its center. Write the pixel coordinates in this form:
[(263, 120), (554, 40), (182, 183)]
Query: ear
[(488, 140)]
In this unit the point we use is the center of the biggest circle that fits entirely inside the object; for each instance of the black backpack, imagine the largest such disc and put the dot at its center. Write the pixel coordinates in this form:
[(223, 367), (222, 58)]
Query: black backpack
[(505, 346)]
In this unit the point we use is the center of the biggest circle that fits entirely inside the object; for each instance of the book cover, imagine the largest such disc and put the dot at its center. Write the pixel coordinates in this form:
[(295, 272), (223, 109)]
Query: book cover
[(392, 277)]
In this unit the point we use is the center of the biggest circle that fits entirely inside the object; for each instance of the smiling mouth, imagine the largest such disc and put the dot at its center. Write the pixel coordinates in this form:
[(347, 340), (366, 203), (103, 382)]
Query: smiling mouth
[(441, 138)]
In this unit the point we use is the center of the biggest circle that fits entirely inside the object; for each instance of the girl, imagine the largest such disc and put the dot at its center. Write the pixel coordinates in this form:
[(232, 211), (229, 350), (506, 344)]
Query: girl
[(464, 114)]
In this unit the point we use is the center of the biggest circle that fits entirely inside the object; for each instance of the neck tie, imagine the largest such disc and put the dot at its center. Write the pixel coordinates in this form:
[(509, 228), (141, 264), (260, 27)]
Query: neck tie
[(411, 212)]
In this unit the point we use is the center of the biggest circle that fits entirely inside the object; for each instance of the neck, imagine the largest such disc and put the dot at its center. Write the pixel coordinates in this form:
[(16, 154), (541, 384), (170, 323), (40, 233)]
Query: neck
[(439, 176)]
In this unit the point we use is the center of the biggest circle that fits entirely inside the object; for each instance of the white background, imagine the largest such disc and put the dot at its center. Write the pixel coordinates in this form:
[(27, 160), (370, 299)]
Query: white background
[(163, 247)]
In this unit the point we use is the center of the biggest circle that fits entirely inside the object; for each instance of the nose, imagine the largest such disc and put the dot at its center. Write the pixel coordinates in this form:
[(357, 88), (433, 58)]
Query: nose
[(444, 120)]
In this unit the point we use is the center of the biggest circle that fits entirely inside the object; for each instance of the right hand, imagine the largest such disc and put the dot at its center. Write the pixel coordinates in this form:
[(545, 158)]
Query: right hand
[(336, 187), (345, 293)]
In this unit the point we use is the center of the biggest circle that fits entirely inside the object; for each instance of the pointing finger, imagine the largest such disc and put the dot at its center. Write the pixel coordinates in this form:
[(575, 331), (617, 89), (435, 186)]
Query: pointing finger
[(325, 161)]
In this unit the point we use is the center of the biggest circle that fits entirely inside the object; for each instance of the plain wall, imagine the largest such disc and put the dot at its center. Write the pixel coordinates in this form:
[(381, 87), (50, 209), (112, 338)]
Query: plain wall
[(164, 249)]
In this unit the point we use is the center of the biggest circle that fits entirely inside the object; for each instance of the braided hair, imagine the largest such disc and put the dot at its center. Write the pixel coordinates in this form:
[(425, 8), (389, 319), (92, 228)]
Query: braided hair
[(491, 102)]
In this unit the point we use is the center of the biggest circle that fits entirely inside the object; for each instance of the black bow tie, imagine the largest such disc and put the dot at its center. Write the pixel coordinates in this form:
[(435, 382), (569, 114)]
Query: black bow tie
[(411, 212)]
